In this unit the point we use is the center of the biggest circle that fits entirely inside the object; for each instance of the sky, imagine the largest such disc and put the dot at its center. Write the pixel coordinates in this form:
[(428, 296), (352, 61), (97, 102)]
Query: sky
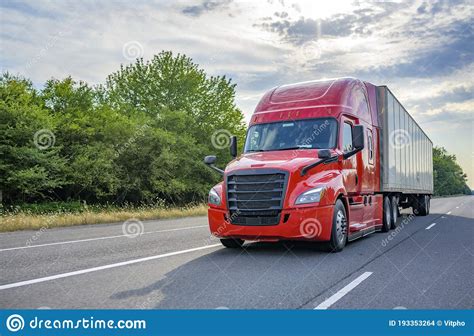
[(423, 50)]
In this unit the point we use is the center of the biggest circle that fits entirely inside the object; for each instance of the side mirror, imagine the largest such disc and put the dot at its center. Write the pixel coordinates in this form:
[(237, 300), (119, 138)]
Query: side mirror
[(357, 141), (358, 137), (210, 159), (233, 146), (324, 154)]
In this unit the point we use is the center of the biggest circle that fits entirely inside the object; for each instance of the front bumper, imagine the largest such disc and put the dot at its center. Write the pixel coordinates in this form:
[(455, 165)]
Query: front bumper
[(313, 223)]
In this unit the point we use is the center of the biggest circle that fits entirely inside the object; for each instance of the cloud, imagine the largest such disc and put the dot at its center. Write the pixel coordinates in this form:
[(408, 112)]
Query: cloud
[(439, 60), (304, 29), (25, 8), (465, 109), (459, 94), (437, 7), (204, 7)]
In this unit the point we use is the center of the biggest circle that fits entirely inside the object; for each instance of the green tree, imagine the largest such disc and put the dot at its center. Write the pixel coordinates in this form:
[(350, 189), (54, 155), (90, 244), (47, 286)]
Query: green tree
[(177, 84), (184, 108), (449, 179), (31, 167), (88, 132)]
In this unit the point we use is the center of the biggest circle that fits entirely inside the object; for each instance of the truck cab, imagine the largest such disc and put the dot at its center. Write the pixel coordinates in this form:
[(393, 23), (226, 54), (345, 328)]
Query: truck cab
[(310, 169)]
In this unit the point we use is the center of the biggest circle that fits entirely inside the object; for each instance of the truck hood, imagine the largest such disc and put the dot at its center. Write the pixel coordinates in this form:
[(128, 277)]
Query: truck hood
[(290, 160)]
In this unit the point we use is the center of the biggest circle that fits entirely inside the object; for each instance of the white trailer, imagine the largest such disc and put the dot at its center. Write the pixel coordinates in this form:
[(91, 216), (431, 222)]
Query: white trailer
[(406, 156)]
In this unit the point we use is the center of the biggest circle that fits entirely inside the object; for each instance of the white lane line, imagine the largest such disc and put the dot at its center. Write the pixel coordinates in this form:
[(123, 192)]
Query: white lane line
[(100, 268), (430, 226), (342, 292), (448, 213), (98, 238), (457, 207)]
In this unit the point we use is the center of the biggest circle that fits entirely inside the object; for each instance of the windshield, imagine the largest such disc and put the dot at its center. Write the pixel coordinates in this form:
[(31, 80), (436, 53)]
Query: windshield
[(292, 134)]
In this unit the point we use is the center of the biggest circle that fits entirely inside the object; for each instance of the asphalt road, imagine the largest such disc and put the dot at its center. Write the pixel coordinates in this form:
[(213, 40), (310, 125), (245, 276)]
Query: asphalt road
[(175, 264)]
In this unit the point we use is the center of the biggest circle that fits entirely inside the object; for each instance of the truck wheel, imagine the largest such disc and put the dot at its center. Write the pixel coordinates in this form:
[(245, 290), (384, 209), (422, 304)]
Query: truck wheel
[(394, 218), (232, 243), (422, 206), (339, 228), (387, 214)]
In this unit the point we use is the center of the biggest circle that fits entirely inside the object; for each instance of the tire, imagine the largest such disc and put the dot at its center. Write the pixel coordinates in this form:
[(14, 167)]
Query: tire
[(422, 206), (394, 212), (232, 243), (387, 214), (339, 228)]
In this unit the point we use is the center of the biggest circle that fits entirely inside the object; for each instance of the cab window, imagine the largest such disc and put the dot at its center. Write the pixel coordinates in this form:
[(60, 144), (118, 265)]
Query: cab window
[(347, 137)]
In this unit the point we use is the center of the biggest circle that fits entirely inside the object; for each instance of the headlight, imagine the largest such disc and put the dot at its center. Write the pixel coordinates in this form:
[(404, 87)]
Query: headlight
[(214, 197), (310, 196)]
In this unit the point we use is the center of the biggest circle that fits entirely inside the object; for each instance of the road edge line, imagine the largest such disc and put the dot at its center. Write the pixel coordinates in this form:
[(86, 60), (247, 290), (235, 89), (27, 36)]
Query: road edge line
[(100, 268), (99, 238)]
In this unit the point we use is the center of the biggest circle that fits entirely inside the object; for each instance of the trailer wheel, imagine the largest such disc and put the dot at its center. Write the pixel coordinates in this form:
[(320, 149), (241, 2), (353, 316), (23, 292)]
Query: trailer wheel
[(339, 228), (394, 217), (422, 206), (387, 214), (232, 243)]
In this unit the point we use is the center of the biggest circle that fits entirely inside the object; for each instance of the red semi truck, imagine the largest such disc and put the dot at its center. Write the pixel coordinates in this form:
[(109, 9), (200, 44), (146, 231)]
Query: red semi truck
[(328, 161)]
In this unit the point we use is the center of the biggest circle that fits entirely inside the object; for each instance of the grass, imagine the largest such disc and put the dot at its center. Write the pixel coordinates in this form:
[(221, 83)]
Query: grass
[(27, 220)]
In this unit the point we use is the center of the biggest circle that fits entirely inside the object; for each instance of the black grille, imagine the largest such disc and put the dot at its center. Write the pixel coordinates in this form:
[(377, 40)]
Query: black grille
[(256, 197)]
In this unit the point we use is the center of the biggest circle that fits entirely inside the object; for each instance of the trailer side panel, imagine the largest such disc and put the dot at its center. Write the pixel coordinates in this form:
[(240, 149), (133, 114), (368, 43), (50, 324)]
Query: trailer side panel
[(406, 157)]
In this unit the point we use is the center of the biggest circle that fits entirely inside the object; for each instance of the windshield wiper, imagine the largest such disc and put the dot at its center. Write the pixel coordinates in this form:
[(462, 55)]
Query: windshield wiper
[(317, 163), (295, 147), (279, 149), (255, 150)]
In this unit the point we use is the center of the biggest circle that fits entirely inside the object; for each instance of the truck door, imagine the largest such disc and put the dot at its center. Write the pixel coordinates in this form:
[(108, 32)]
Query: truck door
[(349, 166)]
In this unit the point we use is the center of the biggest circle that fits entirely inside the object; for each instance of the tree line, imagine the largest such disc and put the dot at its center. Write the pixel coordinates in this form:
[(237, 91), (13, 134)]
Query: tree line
[(138, 138)]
